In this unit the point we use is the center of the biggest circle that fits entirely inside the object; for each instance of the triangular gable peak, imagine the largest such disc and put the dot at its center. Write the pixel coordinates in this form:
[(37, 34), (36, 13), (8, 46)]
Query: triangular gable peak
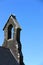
[(14, 21)]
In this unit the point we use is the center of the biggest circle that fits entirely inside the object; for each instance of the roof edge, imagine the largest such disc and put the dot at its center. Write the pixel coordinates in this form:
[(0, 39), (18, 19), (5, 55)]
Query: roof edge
[(8, 20)]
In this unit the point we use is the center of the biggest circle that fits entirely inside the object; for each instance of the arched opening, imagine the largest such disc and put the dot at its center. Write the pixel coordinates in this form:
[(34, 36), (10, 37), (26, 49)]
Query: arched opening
[(10, 31)]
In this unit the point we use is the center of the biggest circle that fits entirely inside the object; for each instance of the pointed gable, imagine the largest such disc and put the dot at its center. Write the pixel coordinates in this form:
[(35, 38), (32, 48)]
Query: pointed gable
[(14, 21)]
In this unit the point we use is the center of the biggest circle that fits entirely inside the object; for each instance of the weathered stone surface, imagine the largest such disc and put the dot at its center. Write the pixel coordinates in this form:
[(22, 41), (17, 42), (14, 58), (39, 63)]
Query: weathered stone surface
[(14, 45)]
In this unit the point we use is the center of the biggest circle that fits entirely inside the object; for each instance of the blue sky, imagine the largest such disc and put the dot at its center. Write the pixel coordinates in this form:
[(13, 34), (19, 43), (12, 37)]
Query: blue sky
[(29, 14)]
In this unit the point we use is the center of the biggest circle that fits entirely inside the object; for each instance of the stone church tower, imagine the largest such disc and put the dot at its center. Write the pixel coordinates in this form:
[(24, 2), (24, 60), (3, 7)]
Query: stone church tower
[(12, 39)]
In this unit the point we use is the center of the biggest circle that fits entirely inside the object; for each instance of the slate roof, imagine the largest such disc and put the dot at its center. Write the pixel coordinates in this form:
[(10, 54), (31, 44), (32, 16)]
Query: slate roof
[(6, 58)]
